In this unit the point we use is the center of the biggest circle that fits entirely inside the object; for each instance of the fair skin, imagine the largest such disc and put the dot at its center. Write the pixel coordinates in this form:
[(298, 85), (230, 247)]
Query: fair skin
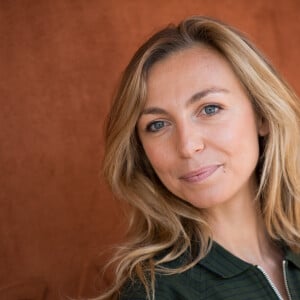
[(200, 134)]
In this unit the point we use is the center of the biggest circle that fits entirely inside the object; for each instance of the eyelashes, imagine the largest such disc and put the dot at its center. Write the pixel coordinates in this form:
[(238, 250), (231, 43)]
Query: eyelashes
[(206, 111)]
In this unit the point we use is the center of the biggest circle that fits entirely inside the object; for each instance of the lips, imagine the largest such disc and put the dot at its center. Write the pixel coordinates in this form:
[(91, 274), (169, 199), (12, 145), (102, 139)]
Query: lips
[(200, 174)]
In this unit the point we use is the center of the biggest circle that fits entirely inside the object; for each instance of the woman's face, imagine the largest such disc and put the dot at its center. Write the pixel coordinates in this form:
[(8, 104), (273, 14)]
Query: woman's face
[(199, 130)]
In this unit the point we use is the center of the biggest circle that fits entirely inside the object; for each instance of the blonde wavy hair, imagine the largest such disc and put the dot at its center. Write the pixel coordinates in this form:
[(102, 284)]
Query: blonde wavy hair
[(162, 227)]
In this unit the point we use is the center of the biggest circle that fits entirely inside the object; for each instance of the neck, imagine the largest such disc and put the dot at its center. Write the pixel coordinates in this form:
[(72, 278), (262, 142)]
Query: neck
[(239, 228)]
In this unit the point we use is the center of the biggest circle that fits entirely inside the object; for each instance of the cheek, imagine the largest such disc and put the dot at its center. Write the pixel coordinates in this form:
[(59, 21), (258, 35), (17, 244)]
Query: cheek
[(242, 143), (237, 136), (157, 155)]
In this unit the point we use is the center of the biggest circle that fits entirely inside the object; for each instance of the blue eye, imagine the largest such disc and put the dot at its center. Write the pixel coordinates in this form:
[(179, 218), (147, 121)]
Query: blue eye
[(210, 109), (155, 126)]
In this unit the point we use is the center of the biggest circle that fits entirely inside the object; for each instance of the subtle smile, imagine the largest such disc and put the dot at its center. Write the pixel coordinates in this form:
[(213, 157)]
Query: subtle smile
[(199, 175)]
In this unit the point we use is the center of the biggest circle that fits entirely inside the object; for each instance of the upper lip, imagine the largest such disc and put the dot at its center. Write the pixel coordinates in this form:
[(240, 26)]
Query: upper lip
[(199, 171)]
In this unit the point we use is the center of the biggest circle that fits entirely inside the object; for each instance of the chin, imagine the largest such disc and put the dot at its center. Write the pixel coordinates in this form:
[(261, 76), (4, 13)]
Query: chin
[(206, 201)]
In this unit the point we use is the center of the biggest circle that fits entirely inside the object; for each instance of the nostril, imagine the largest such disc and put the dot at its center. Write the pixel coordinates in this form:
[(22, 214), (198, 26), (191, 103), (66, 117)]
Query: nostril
[(200, 147), (188, 149)]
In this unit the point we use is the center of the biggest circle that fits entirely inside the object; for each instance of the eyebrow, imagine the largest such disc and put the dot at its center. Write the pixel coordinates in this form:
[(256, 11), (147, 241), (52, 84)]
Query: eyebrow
[(195, 98)]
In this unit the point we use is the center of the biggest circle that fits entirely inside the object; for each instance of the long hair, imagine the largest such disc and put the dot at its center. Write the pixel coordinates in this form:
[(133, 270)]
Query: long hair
[(161, 226)]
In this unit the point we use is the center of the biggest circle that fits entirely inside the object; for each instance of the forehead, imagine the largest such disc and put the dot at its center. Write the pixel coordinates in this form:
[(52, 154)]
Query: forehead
[(188, 71), (196, 56)]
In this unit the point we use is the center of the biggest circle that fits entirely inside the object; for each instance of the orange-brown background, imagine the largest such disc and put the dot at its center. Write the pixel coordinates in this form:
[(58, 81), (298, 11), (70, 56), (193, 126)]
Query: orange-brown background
[(60, 61)]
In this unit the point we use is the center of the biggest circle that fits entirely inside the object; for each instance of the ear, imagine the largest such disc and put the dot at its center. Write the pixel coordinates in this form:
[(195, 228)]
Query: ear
[(262, 126)]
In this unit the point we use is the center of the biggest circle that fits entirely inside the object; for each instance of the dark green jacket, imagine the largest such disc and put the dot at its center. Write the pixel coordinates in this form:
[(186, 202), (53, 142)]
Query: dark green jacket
[(221, 276)]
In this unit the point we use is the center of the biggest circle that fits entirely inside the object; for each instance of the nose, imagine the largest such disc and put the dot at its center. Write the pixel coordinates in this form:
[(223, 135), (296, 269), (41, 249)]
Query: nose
[(189, 141)]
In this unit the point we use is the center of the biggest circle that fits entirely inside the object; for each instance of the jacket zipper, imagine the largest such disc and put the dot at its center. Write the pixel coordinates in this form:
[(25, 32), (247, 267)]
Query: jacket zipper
[(284, 263), (270, 282)]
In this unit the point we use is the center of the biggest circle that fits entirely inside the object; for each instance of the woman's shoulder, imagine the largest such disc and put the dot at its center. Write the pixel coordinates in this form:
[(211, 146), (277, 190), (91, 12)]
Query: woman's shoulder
[(167, 286)]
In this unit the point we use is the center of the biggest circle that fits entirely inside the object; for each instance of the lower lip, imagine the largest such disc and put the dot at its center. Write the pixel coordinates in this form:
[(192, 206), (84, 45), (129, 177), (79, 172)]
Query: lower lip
[(202, 175)]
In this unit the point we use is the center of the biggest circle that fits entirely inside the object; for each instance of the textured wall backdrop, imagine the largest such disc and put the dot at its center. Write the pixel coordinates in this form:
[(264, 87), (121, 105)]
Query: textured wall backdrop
[(60, 61)]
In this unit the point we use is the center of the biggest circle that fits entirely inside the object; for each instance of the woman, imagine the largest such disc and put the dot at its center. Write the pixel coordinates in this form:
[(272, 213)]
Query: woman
[(203, 144)]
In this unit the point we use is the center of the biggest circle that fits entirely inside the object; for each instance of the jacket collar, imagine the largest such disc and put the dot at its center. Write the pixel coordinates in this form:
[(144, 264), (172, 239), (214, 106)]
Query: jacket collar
[(225, 264), (292, 257)]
